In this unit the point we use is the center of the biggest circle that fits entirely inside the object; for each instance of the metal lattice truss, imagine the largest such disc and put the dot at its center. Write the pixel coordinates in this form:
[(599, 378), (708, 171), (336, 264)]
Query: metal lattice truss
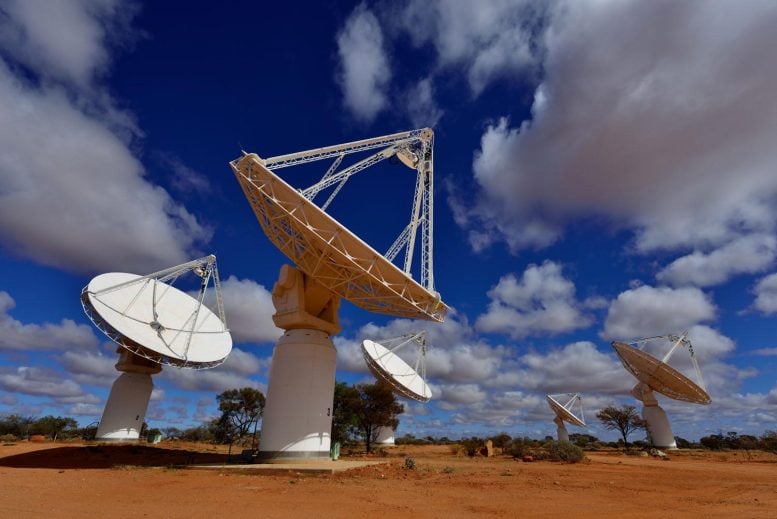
[(378, 367), (159, 283), (658, 375), (327, 251)]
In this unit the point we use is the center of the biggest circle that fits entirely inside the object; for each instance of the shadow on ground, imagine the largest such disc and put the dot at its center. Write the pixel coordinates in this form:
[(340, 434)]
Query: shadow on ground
[(109, 456)]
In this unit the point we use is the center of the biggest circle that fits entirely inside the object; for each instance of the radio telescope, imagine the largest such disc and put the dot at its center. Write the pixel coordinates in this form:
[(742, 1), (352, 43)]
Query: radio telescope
[(386, 365), (332, 263), (154, 324), (656, 375), (564, 412)]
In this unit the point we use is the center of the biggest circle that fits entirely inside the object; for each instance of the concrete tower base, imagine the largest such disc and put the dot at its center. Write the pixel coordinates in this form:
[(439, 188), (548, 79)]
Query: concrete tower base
[(385, 437), (297, 419), (658, 428), (561, 431), (125, 410)]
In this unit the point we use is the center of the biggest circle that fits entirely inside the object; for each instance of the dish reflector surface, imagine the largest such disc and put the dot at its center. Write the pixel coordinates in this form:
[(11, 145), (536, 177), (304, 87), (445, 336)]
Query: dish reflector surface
[(178, 335), (388, 366), (659, 376), (563, 413), (328, 252)]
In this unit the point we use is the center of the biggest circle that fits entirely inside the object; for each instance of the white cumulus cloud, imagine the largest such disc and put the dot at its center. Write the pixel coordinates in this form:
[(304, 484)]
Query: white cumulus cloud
[(766, 294), (646, 311), (658, 117), (15, 335), (542, 301), (74, 194), (363, 72)]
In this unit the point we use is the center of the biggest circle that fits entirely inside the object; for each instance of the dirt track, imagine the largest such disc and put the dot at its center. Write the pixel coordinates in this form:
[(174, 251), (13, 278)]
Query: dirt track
[(39, 480)]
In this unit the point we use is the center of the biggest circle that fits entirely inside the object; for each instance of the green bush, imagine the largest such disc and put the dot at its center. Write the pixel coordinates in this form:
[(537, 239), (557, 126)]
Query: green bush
[(564, 451), (521, 447)]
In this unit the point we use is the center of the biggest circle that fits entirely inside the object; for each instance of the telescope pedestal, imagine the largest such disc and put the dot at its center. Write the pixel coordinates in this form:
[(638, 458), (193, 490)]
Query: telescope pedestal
[(297, 418), (385, 437), (561, 431), (125, 410), (658, 427)]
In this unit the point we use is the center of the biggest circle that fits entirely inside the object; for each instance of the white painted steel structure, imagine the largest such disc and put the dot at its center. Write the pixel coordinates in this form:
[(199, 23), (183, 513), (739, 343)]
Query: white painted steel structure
[(153, 319), (385, 437), (327, 251), (564, 412), (332, 263), (125, 410), (297, 418), (386, 365), (656, 375), (154, 324)]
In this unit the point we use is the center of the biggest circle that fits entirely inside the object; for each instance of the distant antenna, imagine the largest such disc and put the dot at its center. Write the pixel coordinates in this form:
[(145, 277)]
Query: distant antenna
[(565, 412), (656, 375), (386, 365), (154, 323)]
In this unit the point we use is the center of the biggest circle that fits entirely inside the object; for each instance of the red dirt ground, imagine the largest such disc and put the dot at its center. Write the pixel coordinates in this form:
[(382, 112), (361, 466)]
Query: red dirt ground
[(76, 480)]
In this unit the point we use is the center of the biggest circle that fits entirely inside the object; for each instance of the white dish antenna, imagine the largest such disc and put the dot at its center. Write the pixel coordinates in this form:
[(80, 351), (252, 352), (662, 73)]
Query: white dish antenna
[(386, 365), (154, 320), (327, 251), (572, 402), (658, 375)]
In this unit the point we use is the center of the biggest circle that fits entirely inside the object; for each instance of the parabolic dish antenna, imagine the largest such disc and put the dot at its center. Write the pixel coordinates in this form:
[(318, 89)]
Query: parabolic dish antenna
[(661, 377), (386, 365), (152, 319), (327, 251), (564, 411)]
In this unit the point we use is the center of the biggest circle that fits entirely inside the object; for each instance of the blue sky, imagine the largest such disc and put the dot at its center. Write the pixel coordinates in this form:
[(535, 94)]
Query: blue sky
[(604, 170)]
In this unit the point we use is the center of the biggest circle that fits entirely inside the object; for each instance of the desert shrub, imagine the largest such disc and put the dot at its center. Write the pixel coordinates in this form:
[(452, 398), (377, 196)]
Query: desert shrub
[(564, 451), (409, 463), (454, 448), (713, 442), (521, 447), (8, 438), (768, 441), (447, 470), (471, 445)]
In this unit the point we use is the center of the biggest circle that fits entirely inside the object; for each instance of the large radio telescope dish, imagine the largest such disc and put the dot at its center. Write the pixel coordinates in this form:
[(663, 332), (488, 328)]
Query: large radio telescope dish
[(327, 251), (386, 365), (564, 411), (660, 376), (152, 319)]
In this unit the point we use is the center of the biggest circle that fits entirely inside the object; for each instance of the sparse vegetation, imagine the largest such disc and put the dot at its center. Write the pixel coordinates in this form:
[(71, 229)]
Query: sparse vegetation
[(564, 451), (624, 419)]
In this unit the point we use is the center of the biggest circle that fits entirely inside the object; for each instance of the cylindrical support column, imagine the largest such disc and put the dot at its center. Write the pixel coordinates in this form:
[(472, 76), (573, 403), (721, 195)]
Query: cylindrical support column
[(385, 437), (658, 427), (126, 408), (561, 431), (297, 418)]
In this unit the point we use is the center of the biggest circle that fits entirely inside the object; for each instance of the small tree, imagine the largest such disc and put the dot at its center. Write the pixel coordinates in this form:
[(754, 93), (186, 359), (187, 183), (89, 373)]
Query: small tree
[(768, 441), (374, 406), (500, 441), (16, 425), (53, 426), (622, 419), (343, 414), (240, 409), (583, 440)]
